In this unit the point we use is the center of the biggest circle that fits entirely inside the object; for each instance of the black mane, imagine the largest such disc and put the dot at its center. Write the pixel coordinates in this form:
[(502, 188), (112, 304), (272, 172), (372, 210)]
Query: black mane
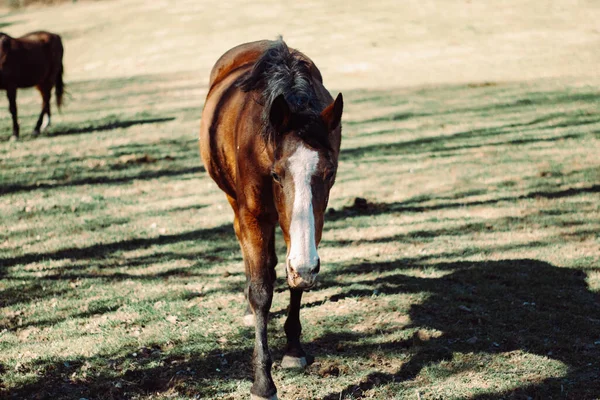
[(283, 71)]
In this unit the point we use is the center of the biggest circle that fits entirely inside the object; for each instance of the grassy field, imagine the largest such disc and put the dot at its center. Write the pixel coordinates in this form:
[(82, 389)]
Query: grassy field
[(461, 251)]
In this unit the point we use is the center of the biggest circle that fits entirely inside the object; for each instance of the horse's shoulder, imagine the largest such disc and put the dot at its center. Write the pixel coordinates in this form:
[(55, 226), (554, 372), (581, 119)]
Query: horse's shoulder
[(239, 56)]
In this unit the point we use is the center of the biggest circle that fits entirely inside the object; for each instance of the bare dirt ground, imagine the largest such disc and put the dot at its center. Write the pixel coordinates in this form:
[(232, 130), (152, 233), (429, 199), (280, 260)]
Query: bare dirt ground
[(382, 44), (461, 249)]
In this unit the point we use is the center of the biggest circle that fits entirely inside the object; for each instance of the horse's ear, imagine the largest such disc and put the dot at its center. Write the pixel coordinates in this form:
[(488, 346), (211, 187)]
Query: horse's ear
[(280, 114), (332, 114)]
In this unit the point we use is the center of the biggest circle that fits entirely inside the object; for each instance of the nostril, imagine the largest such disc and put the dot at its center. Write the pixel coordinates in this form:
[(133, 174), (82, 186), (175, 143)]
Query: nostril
[(317, 268), (291, 270)]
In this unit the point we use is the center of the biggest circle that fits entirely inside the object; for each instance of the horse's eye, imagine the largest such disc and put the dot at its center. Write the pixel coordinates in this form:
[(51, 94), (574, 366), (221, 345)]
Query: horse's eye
[(330, 176), (276, 177)]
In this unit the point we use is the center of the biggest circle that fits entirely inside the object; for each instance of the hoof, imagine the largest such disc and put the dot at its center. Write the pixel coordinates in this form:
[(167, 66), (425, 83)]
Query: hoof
[(35, 133), (255, 397), (14, 138), (249, 320), (290, 362)]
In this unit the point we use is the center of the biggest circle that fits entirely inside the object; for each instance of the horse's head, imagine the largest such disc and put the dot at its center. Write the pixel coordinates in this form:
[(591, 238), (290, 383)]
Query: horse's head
[(303, 173)]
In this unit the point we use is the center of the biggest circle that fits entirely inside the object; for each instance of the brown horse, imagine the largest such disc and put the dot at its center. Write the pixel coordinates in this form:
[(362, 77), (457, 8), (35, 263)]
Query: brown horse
[(31, 60), (270, 138)]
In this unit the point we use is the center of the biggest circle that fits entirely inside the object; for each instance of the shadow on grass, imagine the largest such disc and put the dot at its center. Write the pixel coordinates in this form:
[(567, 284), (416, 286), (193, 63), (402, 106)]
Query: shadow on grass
[(99, 126), (475, 138), (526, 101), (503, 224), (7, 24), (102, 179), (18, 322), (148, 373), (121, 165), (106, 126), (102, 250), (363, 207), (441, 142), (100, 256), (506, 305), (514, 142)]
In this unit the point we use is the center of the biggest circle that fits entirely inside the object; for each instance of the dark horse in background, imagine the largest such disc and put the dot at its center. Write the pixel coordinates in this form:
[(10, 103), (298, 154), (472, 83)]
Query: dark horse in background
[(270, 138), (32, 60)]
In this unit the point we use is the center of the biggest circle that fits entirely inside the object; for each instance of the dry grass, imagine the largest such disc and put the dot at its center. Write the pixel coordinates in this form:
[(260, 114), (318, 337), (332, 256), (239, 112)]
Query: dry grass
[(471, 271)]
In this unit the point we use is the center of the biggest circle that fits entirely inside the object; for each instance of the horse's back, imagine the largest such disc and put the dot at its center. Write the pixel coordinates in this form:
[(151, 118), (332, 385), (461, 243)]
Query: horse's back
[(44, 44), (235, 58), (40, 38)]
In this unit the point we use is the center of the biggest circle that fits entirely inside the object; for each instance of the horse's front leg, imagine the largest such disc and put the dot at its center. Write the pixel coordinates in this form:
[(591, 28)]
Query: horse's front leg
[(271, 262), (260, 295), (256, 239), (294, 356)]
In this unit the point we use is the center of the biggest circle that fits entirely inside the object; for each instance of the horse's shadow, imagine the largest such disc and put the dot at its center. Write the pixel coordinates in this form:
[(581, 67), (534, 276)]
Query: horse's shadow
[(489, 307), (110, 124), (99, 126)]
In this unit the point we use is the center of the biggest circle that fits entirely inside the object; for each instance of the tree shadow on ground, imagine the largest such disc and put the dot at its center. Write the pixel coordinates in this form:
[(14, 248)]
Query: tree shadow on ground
[(536, 99), (123, 164), (102, 179), (508, 305), (89, 264), (7, 24), (102, 250), (489, 307), (364, 207), (36, 289), (441, 143), (475, 138), (147, 373)]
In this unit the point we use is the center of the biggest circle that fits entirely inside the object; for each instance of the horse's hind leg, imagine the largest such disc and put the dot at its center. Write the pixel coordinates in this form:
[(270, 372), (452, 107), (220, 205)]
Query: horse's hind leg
[(294, 357), (43, 123), (248, 315), (12, 106)]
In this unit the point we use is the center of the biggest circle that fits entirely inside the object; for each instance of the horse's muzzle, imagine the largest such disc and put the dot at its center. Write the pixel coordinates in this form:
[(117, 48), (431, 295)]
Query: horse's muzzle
[(303, 277)]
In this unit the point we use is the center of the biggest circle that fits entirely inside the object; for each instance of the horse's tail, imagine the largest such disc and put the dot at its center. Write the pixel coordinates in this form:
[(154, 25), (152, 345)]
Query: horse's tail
[(60, 84), (60, 87)]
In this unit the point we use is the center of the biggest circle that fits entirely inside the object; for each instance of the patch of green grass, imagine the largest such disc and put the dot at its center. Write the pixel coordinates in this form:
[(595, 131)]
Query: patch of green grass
[(469, 270)]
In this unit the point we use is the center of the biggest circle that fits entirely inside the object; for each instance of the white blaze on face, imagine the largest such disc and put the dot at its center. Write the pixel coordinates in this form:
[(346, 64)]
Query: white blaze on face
[(303, 255)]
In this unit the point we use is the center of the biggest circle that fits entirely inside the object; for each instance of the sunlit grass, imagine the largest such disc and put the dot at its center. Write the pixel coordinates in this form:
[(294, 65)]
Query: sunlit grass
[(466, 272), (468, 267)]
